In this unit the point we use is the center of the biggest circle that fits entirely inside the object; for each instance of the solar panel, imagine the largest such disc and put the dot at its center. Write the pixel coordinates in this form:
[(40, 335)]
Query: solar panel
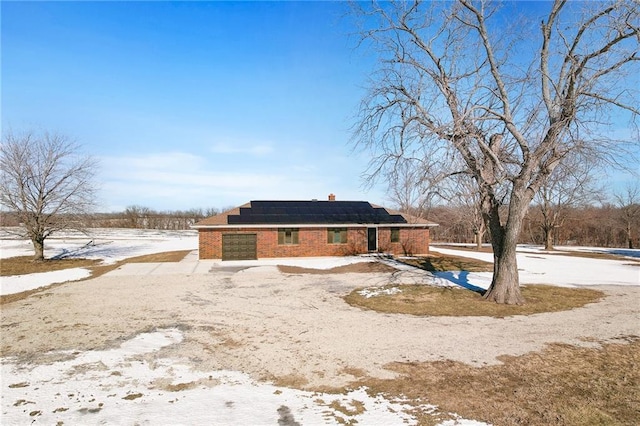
[(313, 212)]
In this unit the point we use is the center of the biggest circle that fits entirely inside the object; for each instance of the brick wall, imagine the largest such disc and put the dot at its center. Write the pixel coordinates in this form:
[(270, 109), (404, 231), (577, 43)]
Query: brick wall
[(412, 241), (313, 242)]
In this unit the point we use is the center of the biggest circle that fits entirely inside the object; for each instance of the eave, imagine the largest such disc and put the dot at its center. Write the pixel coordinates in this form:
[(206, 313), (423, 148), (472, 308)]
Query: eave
[(319, 225)]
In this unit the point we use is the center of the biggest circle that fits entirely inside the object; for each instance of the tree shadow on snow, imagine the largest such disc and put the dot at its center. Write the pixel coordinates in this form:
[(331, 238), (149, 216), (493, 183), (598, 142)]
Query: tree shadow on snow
[(103, 250), (461, 279)]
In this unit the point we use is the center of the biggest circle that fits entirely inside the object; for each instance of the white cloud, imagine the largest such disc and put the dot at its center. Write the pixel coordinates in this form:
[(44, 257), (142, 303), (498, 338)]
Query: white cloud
[(162, 161), (240, 148), (178, 181)]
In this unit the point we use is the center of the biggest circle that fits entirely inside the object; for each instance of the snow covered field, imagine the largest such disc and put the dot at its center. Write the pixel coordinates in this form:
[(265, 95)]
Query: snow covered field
[(142, 380), (539, 267)]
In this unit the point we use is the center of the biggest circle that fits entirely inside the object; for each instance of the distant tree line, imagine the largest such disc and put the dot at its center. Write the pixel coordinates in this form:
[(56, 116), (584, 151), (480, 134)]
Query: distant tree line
[(135, 217), (140, 217), (608, 225)]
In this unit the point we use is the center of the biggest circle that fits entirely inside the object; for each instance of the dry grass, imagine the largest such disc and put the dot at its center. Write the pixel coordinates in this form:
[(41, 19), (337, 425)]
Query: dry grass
[(424, 300), (434, 262), (467, 247), (22, 265), (592, 255), (293, 381), (438, 262), (167, 256), (562, 385), (358, 267), (357, 407)]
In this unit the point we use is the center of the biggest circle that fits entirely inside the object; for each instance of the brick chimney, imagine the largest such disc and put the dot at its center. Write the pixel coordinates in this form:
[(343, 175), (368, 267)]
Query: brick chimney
[(332, 197)]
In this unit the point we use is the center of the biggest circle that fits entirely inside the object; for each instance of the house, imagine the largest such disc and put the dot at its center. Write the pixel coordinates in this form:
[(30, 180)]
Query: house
[(263, 229)]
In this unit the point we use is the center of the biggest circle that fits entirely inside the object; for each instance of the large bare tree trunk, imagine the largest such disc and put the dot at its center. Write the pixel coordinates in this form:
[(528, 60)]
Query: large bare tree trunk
[(478, 236), (38, 246), (548, 239), (505, 285)]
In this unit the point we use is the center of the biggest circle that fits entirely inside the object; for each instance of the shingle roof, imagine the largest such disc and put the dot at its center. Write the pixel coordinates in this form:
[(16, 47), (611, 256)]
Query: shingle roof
[(309, 213)]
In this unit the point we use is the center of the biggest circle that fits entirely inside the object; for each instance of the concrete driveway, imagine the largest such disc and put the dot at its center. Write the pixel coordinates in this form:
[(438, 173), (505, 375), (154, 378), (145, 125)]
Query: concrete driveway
[(190, 265)]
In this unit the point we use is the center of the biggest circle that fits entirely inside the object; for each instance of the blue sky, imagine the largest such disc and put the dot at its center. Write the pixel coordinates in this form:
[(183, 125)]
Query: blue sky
[(196, 104), (192, 104)]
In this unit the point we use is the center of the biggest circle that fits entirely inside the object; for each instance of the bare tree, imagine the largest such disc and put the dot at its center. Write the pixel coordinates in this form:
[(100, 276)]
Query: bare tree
[(137, 216), (629, 204), (571, 185), (509, 98), (467, 198), (410, 188), (45, 182)]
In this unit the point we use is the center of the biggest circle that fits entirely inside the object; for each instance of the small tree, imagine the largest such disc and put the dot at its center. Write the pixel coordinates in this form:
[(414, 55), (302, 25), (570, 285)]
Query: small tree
[(137, 216), (466, 197), (629, 204), (46, 183), (571, 185), (410, 187)]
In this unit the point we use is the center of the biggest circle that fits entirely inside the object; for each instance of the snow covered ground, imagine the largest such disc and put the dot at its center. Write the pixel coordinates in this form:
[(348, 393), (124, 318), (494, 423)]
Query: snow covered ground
[(108, 245), (130, 385), (539, 267)]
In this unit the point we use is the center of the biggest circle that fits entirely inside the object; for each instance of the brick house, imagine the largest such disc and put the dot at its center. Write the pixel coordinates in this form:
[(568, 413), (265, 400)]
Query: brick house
[(262, 229)]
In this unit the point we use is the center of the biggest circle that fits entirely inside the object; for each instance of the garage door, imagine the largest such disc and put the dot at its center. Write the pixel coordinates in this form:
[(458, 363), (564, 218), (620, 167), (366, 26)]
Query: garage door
[(239, 247)]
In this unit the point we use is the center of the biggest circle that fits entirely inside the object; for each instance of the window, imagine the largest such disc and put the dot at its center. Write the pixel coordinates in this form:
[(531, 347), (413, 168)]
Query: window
[(395, 235), (287, 236), (336, 235)]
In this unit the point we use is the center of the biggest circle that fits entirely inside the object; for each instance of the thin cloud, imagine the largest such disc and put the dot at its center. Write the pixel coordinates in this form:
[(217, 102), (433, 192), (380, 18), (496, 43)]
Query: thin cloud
[(177, 180), (255, 150)]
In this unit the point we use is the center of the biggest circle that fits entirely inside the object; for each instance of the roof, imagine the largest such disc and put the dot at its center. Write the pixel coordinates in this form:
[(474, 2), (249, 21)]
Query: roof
[(310, 213)]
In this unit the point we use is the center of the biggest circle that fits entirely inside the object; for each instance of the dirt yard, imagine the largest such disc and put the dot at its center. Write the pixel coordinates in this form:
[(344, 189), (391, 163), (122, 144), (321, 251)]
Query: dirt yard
[(289, 325)]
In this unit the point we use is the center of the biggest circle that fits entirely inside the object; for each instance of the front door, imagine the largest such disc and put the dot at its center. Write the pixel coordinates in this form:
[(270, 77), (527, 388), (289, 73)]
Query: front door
[(372, 239)]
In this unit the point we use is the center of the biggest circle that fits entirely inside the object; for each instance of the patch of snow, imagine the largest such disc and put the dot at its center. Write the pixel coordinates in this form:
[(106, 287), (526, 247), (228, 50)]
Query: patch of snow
[(121, 386), (554, 269), (377, 291), (19, 283)]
